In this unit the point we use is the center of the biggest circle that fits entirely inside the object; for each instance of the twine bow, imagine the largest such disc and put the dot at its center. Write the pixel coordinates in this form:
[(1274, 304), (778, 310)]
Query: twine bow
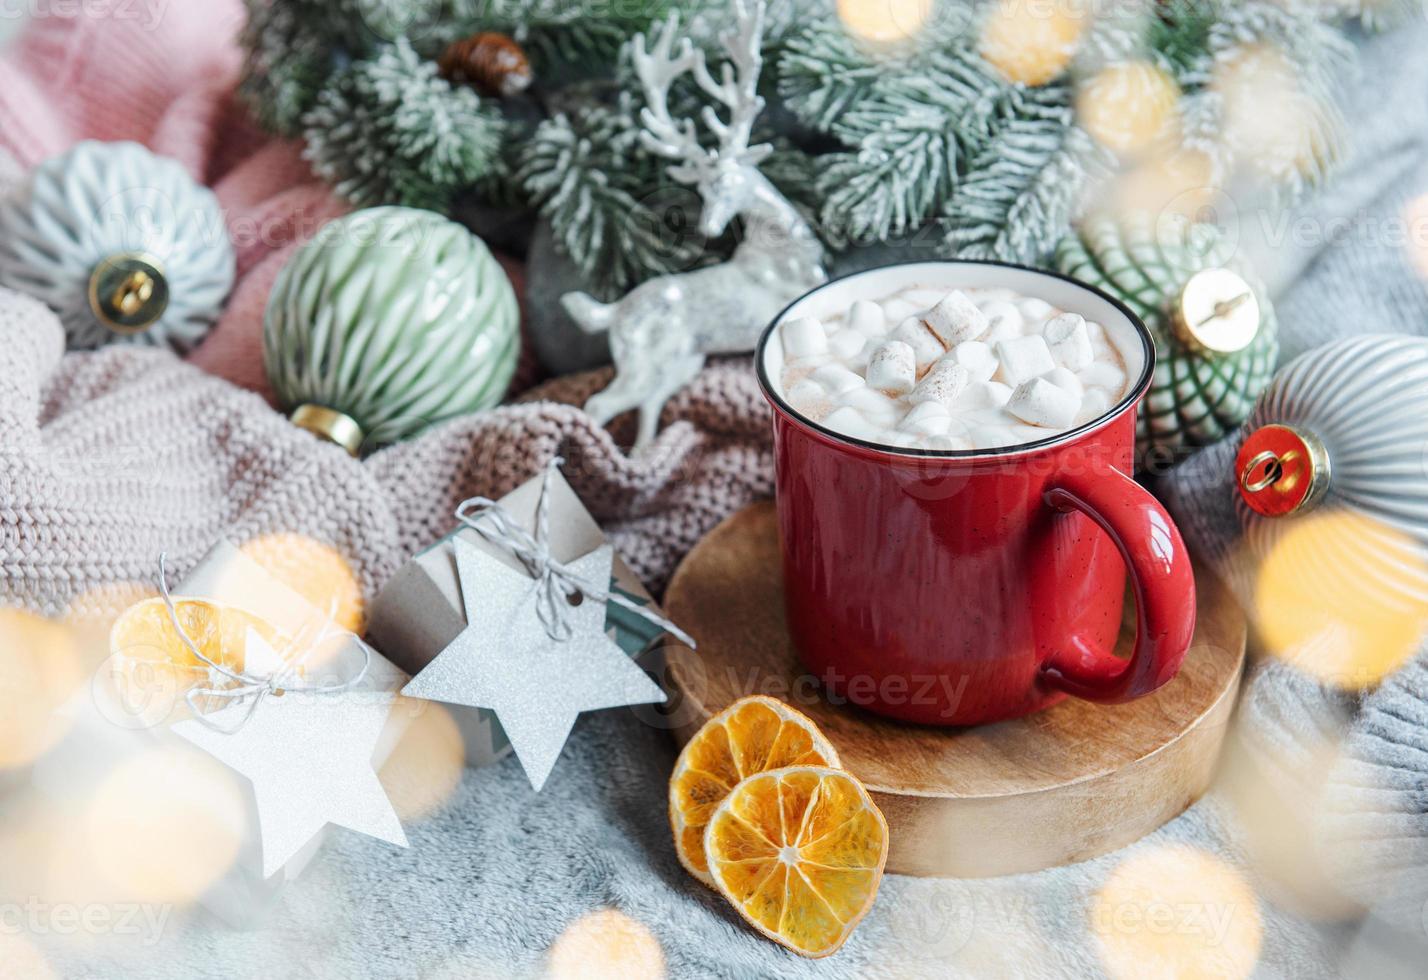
[(248, 688), (555, 584)]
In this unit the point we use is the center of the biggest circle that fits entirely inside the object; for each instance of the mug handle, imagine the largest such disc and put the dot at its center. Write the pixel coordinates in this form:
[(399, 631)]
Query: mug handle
[(1162, 581)]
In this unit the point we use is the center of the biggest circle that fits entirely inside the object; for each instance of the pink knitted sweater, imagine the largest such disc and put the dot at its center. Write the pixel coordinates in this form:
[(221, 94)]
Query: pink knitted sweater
[(107, 458)]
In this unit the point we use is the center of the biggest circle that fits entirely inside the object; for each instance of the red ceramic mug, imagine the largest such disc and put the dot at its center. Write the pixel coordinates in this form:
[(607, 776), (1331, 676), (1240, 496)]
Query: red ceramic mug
[(961, 587)]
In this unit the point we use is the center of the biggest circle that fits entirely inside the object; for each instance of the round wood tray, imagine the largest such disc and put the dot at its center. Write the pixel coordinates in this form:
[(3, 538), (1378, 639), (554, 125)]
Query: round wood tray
[(1064, 785)]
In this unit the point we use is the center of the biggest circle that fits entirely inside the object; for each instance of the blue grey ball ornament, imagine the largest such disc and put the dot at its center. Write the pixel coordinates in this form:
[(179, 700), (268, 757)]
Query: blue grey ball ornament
[(122, 244)]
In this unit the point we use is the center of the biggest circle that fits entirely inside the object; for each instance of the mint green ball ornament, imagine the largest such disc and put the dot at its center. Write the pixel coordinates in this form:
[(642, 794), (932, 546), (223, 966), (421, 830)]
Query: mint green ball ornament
[(390, 320), (1216, 336)]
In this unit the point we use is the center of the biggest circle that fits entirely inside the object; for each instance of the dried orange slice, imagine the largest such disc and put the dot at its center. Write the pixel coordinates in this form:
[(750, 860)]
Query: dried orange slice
[(752, 735), (800, 853), (145, 633)]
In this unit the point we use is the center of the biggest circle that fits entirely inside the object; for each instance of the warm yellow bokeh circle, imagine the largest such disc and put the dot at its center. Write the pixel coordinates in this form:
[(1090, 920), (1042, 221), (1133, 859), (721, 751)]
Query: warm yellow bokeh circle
[(39, 671), (1176, 912), (1342, 597), (606, 945), (318, 572), (166, 824), (1032, 43), (1128, 107), (884, 21)]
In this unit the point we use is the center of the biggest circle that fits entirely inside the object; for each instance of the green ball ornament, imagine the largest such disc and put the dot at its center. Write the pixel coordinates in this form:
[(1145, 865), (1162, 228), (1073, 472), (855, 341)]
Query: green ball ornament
[(390, 320), (1216, 337)]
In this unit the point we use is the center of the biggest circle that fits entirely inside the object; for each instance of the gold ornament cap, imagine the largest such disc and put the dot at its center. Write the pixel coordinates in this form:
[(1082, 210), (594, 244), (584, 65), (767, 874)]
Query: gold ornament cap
[(1217, 312), (128, 292), (1282, 470), (330, 424)]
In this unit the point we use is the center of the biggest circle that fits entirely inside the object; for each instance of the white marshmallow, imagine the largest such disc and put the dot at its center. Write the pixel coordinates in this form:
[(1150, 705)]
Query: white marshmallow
[(893, 367), (1065, 380), (896, 310), (1006, 321), (943, 383), (850, 421), (803, 337), (1023, 358), (983, 394), (955, 319), (1035, 309), (926, 410), (867, 318), (847, 344), (809, 398), (1094, 404), (875, 406), (928, 423), (1103, 375), (836, 379), (1069, 340), (1039, 402), (926, 348), (976, 357)]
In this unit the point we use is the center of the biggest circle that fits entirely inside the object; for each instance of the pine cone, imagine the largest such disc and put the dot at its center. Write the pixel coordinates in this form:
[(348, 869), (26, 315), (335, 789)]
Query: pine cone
[(491, 63)]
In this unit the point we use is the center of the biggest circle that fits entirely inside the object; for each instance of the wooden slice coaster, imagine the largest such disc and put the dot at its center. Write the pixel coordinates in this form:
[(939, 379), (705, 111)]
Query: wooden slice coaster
[(1064, 785)]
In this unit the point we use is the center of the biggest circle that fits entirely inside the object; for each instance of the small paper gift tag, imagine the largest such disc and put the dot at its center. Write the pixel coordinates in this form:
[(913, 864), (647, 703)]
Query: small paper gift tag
[(421, 611)]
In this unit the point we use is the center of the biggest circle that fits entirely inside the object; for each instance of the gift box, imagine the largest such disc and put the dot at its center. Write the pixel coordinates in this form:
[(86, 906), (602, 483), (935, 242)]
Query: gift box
[(420, 611), (110, 730)]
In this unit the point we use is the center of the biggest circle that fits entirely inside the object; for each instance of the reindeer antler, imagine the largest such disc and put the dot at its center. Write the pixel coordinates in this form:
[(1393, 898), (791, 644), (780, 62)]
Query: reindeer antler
[(737, 91)]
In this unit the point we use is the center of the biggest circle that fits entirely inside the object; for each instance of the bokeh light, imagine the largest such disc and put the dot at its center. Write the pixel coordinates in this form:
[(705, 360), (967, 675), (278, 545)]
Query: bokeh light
[(884, 21), (39, 671), (1180, 182), (1032, 43), (166, 824), (1129, 106), (426, 766), (606, 945), (1270, 122), (1277, 797), (318, 572), (1342, 597), (91, 616), (1415, 223), (1175, 911)]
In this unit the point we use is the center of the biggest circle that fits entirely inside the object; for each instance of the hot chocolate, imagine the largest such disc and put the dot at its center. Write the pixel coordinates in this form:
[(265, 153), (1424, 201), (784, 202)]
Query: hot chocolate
[(952, 369)]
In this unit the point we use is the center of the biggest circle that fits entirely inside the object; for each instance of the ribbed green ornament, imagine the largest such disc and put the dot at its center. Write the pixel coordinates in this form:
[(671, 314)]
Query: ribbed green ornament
[(390, 320), (1197, 396)]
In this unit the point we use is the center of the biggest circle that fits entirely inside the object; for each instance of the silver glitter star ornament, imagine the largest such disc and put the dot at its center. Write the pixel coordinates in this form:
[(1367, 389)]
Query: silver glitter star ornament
[(536, 678), (309, 758)]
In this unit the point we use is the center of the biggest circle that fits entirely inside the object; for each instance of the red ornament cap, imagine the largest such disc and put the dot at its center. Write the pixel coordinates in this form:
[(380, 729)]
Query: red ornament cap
[(1282, 470)]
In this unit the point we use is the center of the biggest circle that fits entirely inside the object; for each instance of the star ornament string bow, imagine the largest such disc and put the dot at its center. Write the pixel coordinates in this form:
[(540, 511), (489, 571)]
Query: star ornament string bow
[(307, 749), (556, 585), (249, 688), (535, 649)]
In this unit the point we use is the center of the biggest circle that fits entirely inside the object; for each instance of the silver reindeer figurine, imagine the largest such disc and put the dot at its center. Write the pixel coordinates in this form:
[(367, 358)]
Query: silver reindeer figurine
[(661, 331)]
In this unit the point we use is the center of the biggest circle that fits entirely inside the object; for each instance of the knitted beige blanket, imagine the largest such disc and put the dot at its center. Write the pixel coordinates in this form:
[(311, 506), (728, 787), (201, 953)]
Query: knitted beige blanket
[(110, 457)]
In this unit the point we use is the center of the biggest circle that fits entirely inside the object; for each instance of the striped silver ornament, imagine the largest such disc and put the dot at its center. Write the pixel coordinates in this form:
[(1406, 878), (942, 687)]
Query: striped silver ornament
[(122, 244), (1344, 428), (1364, 400), (390, 320)]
